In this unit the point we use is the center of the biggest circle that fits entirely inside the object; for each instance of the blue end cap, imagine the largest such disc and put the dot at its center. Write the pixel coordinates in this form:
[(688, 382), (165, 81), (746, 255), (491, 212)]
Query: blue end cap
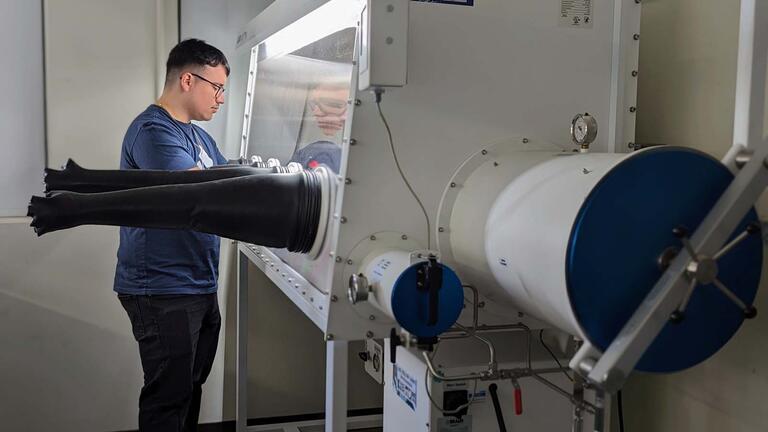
[(622, 228), (411, 305)]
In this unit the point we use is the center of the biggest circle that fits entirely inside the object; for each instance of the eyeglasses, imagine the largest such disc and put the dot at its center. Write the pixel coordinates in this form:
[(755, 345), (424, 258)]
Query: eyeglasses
[(219, 88), (328, 106)]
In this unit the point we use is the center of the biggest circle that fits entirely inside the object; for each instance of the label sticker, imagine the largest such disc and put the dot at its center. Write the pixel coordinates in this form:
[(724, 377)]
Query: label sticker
[(405, 386), (576, 13), (453, 2), (452, 424), (381, 267)]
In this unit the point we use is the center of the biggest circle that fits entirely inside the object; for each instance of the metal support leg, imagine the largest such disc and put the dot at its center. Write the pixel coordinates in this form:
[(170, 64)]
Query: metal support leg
[(578, 398), (602, 411), (336, 386), (241, 367)]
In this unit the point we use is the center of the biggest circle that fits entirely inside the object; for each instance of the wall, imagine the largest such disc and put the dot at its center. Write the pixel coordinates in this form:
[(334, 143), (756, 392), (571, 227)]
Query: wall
[(686, 97), (23, 124), (69, 361)]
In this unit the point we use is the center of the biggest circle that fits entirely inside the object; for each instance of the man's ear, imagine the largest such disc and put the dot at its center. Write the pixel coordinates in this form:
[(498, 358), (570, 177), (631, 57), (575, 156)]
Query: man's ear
[(185, 81)]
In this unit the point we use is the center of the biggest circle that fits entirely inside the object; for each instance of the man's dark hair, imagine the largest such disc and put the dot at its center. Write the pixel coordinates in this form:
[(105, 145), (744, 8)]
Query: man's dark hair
[(193, 52)]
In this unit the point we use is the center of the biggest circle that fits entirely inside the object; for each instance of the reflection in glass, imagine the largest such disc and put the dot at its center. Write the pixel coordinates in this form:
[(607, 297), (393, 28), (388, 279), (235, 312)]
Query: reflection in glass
[(301, 102)]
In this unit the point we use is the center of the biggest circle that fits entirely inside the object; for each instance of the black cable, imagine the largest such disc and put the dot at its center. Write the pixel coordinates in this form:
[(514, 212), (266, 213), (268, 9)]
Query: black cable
[(497, 407), (554, 357), (378, 92), (621, 411)]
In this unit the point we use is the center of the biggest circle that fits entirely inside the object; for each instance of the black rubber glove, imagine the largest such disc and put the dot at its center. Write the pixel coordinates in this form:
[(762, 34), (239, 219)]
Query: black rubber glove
[(275, 210), (75, 178)]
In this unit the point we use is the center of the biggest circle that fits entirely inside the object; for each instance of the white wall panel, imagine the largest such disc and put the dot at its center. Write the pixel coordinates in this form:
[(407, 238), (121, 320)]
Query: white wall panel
[(22, 117)]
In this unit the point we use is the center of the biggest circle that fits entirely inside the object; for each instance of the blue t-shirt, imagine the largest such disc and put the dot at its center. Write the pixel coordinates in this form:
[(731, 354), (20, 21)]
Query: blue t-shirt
[(157, 261)]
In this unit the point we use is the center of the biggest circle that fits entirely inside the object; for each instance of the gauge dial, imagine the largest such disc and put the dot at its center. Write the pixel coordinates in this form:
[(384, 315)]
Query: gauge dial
[(583, 129)]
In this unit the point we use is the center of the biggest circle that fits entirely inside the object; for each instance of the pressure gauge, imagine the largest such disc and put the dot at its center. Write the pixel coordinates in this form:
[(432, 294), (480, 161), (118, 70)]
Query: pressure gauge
[(583, 129)]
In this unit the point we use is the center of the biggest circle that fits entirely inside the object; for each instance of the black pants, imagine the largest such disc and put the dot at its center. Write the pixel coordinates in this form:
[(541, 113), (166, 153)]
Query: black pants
[(177, 336)]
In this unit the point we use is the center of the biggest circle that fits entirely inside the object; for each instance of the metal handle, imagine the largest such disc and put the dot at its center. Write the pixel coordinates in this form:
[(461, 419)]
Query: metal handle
[(703, 270)]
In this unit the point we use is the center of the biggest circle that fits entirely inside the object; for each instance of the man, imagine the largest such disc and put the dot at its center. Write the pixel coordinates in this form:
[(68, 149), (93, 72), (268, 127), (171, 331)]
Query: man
[(167, 279)]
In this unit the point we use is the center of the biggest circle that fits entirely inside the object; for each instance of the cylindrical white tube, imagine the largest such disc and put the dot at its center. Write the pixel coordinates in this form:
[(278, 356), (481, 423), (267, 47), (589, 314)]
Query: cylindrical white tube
[(575, 240), (381, 268), (528, 230), (424, 296)]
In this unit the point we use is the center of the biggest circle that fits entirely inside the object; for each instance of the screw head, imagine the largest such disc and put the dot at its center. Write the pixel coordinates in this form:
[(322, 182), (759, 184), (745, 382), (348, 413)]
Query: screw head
[(750, 312), (329, 337), (338, 259), (373, 238), (677, 317), (334, 298), (526, 140), (358, 102), (453, 184), (371, 318), (636, 36), (484, 152), (632, 109), (680, 232), (481, 305), (349, 262), (343, 219), (369, 334), (440, 229), (404, 237), (353, 141), (347, 180), (634, 73)]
